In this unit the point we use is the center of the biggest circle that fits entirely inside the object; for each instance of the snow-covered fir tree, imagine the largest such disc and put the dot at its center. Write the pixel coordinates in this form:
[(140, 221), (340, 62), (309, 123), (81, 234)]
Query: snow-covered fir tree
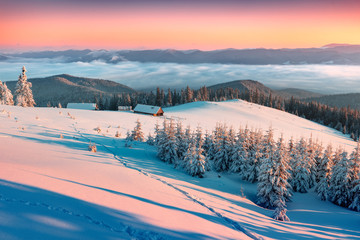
[(169, 146), (128, 139), (222, 156), (195, 160), (324, 174), (239, 152), (255, 148), (300, 169), (355, 179), (161, 138), (340, 190), (310, 162), (265, 188), (292, 158), (273, 187), (23, 93), (157, 133), (207, 142), (137, 134), (199, 137), (150, 139), (5, 95), (280, 211), (318, 155), (182, 142)]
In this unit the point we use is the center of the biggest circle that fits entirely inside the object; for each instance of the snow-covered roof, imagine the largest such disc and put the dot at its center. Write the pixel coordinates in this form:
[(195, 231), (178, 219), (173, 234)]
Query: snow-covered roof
[(146, 109), (85, 106)]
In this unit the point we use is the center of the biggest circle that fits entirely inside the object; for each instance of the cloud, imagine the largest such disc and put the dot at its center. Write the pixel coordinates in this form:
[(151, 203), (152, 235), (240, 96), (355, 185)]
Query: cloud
[(319, 78)]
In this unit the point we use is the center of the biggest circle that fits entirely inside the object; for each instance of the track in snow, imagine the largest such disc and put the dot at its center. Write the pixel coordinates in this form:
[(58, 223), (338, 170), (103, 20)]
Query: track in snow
[(130, 231), (235, 225)]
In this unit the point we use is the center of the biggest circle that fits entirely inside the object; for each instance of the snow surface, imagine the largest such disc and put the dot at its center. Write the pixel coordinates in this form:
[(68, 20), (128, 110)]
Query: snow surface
[(54, 188)]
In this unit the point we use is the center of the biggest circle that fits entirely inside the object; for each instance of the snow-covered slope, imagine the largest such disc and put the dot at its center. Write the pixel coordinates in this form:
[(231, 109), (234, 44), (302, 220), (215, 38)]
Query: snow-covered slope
[(54, 188)]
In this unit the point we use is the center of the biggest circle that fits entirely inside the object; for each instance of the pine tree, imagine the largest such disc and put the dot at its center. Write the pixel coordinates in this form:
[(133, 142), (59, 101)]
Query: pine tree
[(182, 144), (301, 172), (280, 211), (311, 162), (150, 140), (5, 95), (221, 157), (137, 134), (324, 174), (340, 190), (273, 187), (255, 148), (157, 133), (170, 154), (207, 142), (239, 153), (355, 179), (189, 95), (195, 160), (169, 98), (161, 139), (292, 158), (198, 137), (23, 93), (128, 140)]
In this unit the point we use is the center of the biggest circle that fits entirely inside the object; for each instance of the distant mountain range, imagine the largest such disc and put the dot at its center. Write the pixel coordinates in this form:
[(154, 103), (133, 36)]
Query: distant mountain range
[(297, 93), (243, 86), (66, 88), (328, 54), (339, 100), (251, 85)]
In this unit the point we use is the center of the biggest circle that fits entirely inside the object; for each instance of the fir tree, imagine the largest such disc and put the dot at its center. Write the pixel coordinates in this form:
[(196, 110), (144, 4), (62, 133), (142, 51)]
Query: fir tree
[(301, 172), (169, 147), (311, 162), (23, 93), (273, 187), (5, 95), (355, 179), (137, 134), (251, 172), (280, 211), (128, 140), (161, 139), (221, 157), (324, 174), (239, 153), (150, 140), (157, 133), (340, 190), (182, 143), (195, 160)]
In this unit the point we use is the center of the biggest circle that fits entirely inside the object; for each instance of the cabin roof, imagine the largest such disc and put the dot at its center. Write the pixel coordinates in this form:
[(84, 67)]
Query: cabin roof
[(85, 106), (147, 109)]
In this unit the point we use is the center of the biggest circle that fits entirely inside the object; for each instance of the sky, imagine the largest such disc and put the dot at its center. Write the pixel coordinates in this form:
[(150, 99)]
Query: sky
[(185, 24)]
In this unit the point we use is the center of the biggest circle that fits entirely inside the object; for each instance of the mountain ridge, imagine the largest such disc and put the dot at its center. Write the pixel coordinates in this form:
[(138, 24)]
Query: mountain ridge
[(65, 88), (329, 54)]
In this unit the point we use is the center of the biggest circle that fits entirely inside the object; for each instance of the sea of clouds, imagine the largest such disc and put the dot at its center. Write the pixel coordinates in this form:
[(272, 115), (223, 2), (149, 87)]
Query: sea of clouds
[(319, 78)]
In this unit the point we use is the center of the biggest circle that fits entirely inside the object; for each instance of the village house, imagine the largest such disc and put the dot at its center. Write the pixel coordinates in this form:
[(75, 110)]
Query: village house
[(148, 109)]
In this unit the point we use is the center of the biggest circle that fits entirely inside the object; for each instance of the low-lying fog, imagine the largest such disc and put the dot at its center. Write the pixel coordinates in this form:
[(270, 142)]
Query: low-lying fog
[(318, 78)]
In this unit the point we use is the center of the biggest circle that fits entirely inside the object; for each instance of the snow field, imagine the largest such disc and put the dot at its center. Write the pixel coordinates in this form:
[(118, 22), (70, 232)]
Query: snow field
[(135, 194)]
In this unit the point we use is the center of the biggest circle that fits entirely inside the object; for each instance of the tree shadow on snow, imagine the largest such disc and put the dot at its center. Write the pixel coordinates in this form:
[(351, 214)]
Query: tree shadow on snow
[(32, 213)]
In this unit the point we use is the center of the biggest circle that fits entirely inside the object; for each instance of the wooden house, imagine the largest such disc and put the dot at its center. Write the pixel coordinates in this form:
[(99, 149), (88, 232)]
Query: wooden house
[(148, 109)]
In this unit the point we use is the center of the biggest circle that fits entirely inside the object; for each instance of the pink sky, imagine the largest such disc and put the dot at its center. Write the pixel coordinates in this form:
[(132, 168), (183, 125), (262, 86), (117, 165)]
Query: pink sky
[(110, 24)]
